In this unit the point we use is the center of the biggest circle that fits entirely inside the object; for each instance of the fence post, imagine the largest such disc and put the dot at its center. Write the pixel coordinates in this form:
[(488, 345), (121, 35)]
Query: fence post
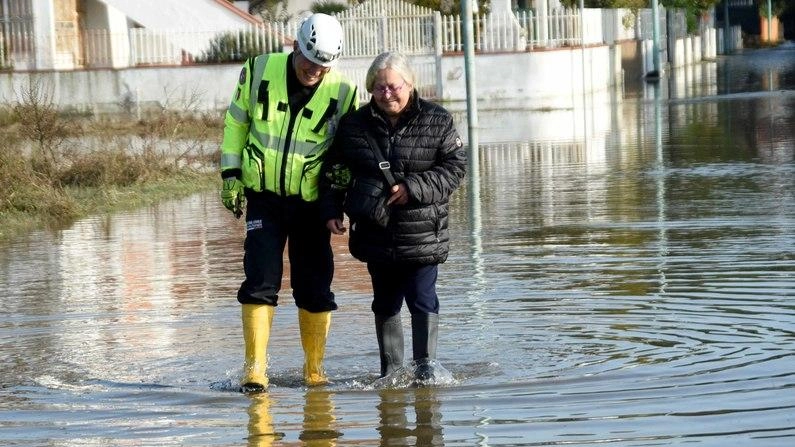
[(543, 25), (3, 62), (437, 38), (384, 34), (655, 14)]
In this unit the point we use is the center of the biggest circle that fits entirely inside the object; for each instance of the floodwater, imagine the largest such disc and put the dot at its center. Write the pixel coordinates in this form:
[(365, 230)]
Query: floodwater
[(622, 273)]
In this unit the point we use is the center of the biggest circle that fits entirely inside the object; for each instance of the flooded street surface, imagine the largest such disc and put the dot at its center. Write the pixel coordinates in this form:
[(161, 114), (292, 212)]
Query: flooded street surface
[(622, 273)]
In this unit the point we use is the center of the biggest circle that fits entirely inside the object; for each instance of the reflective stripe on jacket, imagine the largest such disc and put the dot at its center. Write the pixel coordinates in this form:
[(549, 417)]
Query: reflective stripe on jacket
[(274, 148)]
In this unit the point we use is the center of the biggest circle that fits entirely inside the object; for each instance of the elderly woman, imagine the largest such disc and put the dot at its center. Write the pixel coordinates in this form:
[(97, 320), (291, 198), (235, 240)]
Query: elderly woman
[(409, 149)]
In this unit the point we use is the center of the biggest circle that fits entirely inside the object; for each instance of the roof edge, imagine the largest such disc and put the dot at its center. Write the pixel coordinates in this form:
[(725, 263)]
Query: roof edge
[(248, 17)]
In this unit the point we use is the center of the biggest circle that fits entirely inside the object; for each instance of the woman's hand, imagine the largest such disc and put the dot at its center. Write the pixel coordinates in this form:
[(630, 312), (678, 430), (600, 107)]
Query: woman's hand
[(336, 226), (399, 196)]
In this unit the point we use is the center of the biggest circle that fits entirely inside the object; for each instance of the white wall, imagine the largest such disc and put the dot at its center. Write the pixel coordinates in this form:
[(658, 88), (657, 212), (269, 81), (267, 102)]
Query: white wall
[(205, 88), (546, 77), (100, 16), (204, 15), (118, 26), (542, 78), (44, 32), (298, 7)]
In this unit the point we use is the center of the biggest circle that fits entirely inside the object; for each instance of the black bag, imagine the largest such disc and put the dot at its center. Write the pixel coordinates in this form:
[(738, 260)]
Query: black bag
[(366, 201)]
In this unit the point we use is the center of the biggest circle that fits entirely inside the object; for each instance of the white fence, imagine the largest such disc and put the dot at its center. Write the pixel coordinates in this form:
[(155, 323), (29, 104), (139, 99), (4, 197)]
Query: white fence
[(370, 28), (422, 31), (386, 25), (100, 48), (16, 40), (415, 31), (175, 47)]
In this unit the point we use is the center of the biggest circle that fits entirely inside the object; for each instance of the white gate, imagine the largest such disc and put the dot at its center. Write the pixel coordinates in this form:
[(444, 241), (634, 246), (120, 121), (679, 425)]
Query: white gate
[(392, 25)]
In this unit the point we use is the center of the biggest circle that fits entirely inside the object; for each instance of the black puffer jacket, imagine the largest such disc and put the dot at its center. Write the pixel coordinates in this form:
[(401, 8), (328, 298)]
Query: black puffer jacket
[(426, 154)]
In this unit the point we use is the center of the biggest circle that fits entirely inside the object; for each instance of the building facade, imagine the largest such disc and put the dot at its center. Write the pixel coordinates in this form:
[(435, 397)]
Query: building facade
[(68, 34)]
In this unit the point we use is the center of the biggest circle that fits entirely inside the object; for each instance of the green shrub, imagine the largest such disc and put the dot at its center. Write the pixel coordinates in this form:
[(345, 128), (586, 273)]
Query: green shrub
[(777, 7), (237, 46), (630, 4), (328, 7)]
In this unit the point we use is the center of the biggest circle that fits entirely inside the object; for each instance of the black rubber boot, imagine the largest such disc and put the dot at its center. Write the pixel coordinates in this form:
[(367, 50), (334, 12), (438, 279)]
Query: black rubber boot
[(424, 333), (389, 331)]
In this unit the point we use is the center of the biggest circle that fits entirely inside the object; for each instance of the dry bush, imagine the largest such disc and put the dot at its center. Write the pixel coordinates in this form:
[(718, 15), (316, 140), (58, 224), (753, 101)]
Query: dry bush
[(185, 130), (24, 190), (103, 167), (40, 122), (7, 116), (46, 178), (117, 168)]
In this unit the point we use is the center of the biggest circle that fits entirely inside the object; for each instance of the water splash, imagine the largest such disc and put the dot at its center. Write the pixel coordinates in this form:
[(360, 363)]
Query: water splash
[(407, 376)]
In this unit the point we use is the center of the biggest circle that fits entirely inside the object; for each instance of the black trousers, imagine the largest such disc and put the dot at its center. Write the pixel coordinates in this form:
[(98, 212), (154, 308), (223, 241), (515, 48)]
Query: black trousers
[(271, 223), (394, 282)]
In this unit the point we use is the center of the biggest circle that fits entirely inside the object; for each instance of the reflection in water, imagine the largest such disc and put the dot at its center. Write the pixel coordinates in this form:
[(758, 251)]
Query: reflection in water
[(261, 432), (394, 426), (320, 427)]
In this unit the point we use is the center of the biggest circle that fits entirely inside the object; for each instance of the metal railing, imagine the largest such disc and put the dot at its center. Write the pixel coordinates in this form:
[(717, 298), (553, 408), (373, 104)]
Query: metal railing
[(417, 31), (410, 29), (17, 43)]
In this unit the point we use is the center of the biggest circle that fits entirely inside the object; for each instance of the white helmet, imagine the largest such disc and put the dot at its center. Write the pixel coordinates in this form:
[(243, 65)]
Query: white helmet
[(320, 39)]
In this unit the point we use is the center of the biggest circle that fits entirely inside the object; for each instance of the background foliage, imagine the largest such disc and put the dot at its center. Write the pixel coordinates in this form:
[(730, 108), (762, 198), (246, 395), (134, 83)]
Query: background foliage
[(237, 46), (777, 7)]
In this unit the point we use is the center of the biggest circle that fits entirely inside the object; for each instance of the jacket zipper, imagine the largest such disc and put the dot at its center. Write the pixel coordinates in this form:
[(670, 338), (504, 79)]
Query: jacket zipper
[(285, 152)]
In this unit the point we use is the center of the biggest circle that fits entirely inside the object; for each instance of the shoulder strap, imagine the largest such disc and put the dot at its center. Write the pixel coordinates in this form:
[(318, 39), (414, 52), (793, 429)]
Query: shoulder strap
[(382, 163)]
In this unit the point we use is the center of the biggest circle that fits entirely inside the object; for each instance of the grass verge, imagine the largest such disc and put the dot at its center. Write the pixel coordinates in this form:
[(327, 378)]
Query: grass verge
[(81, 202), (56, 168)]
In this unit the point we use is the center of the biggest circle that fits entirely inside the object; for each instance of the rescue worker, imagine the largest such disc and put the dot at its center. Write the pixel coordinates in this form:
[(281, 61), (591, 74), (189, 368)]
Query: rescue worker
[(282, 118)]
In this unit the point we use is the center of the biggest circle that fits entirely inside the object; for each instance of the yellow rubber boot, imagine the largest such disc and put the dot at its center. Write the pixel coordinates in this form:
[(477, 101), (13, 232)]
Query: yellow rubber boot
[(257, 320), (314, 330)]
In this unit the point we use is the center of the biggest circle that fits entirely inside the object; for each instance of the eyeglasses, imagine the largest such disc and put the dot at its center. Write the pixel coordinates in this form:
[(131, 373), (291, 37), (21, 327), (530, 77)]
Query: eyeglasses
[(392, 89)]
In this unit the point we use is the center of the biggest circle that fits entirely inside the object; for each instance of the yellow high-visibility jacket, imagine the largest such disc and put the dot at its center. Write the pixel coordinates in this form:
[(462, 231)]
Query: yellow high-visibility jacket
[(272, 147)]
